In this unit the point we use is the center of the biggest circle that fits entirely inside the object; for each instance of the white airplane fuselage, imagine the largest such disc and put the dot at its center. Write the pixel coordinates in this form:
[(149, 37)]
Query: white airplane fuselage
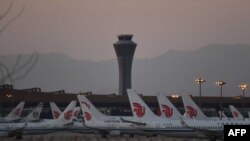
[(45, 127), (9, 129)]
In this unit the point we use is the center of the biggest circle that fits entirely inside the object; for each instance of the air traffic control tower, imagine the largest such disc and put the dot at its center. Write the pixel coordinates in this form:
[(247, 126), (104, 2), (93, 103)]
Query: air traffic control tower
[(124, 49)]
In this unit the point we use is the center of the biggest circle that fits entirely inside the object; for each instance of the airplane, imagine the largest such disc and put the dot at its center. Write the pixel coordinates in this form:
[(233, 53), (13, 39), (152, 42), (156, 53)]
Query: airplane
[(171, 112), (168, 110), (159, 125), (236, 114), (11, 129), (184, 127), (8, 125), (34, 115), (143, 114), (118, 121), (78, 125), (15, 114), (188, 122), (98, 114), (209, 126), (222, 114), (62, 123), (107, 125), (122, 124), (56, 111), (212, 128), (192, 111)]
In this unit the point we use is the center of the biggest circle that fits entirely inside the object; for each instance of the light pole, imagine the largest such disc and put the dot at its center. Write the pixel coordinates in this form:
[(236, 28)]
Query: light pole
[(220, 84), (243, 87), (175, 97), (199, 81), (10, 96)]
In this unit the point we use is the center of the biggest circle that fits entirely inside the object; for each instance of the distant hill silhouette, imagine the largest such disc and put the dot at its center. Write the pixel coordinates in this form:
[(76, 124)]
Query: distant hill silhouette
[(173, 72)]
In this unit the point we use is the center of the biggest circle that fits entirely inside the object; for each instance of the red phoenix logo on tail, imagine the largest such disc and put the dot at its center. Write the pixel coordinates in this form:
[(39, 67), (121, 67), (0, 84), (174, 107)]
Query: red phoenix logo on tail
[(167, 110), (18, 112), (56, 114), (139, 110), (235, 114), (68, 115), (191, 111), (87, 116)]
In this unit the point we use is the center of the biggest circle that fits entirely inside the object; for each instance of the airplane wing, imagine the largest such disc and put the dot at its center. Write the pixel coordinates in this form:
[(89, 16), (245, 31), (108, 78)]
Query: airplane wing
[(133, 122)]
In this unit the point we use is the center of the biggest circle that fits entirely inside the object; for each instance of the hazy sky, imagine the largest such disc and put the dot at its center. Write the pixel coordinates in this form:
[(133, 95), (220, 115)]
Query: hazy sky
[(86, 29)]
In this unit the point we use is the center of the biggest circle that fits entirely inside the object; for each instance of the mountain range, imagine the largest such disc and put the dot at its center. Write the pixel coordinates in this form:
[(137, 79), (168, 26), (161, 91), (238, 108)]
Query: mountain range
[(173, 72)]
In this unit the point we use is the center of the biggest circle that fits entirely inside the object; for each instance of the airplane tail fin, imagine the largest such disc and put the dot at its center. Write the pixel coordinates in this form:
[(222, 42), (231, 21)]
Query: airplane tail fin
[(15, 113), (84, 100), (140, 109), (66, 116), (191, 109), (236, 114), (35, 113), (222, 114), (168, 110), (56, 112), (86, 110)]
